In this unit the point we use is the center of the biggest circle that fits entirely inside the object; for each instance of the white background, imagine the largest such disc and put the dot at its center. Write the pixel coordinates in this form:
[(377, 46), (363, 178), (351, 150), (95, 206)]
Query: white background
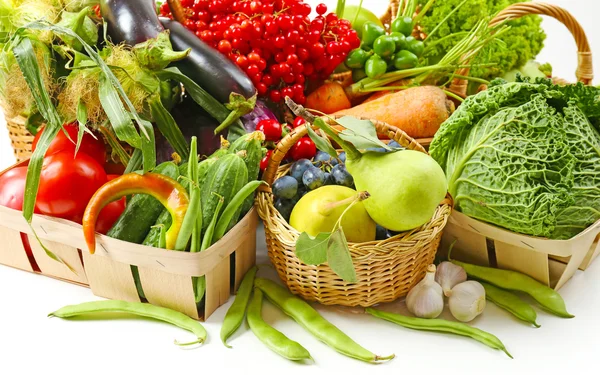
[(32, 343)]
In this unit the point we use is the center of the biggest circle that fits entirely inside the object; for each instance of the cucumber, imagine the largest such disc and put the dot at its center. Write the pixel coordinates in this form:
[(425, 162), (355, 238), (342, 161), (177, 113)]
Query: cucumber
[(252, 144), (153, 237), (225, 177), (141, 212)]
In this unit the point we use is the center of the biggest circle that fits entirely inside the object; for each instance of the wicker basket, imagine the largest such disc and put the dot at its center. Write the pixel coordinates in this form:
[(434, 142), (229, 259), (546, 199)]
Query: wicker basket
[(584, 71), (386, 270), (20, 138)]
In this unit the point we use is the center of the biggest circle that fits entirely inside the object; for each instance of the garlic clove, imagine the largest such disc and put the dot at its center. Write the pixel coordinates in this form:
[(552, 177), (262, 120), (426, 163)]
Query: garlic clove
[(426, 299), (467, 301), (449, 275)]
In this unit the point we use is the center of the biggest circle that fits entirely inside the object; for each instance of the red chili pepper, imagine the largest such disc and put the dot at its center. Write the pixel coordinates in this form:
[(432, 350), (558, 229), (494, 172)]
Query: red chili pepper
[(166, 190)]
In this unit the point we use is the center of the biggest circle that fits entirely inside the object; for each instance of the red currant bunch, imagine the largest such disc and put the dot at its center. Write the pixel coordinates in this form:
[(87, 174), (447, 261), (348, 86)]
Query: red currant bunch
[(274, 42)]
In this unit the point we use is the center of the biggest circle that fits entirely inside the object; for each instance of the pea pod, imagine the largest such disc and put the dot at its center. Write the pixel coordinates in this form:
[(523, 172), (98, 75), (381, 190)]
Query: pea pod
[(441, 325), (511, 303), (272, 338), (511, 280), (136, 308), (405, 60), (235, 314), (314, 323)]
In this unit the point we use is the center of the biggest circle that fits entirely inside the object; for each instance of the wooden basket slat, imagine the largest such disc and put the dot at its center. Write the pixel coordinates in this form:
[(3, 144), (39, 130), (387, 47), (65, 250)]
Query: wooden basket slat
[(14, 254), (169, 290), (53, 268), (110, 279), (218, 287)]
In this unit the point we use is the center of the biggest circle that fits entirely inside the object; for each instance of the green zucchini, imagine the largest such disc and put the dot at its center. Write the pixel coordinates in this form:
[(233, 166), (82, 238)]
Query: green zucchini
[(224, 178), (141, 212), (252, 145)]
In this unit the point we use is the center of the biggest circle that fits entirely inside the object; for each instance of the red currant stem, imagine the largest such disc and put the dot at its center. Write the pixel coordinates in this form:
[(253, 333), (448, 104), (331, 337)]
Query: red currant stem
[(276, 14), (339, 10), (352, 152)]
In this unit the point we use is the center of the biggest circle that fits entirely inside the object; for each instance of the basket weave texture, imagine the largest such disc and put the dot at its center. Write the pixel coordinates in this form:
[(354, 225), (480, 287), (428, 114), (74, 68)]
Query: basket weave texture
[(20, 138), (386, 270)]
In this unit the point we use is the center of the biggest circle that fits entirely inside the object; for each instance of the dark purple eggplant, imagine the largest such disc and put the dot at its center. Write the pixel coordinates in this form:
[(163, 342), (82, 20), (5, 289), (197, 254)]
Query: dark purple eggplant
[(131, 21), (207, 66), (193, 121)]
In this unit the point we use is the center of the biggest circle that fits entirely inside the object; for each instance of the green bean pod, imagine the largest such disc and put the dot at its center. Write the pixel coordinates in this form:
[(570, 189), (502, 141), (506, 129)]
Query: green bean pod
[(235, 315), (314, 323), (511, 280), (233, 206), (511, 303), (136, 308), (441, 325), (272, 338)]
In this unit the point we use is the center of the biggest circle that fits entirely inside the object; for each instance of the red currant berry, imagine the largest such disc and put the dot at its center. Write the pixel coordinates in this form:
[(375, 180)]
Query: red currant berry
[(252, 70), (224, 47), (261, 88), (268, 79), (317, 50), (275, 96), (287, 91), (262, 64), (242, 61), (321, 9), (289, 78)]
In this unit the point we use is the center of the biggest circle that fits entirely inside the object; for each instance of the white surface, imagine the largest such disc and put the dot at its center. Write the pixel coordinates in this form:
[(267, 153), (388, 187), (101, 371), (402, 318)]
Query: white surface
[(32, 343)]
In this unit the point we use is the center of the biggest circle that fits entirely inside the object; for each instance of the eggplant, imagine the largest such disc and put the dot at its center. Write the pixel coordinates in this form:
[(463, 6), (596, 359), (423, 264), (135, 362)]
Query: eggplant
[(210, 69), (193, 121), (131, 21)]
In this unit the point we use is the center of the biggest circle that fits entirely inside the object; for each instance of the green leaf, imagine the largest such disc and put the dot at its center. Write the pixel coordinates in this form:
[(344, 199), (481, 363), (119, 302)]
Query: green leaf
[(104, 68), (211, 105), (168, 127), (361, 133), (339, 258), (115, 145), (26, 58), (312, 251), (135, 162), (33, 122), (321, 143), (81, 121), (116, 113), (148, 147)]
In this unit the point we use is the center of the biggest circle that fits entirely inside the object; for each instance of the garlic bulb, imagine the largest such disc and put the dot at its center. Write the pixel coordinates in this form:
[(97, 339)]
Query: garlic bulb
[(448, 275), (426, 300), (467, 301)]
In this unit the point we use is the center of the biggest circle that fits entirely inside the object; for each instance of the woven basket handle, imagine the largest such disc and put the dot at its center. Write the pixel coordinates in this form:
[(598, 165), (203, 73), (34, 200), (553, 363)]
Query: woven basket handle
[(279, 153), (584, 71)]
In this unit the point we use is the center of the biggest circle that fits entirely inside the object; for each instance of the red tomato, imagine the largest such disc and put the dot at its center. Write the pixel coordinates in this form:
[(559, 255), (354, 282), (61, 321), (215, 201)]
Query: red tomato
[(271, 129), (12, 188), (67, 183), (303, 149), (109, 215), (89, 145)]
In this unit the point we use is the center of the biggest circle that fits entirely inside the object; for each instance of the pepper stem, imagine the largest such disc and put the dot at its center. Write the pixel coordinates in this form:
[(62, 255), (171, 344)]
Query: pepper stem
[(352, 152)]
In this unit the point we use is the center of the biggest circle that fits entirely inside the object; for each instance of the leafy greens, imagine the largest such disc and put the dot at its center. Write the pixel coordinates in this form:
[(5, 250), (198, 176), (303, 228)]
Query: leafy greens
[(525, 156)]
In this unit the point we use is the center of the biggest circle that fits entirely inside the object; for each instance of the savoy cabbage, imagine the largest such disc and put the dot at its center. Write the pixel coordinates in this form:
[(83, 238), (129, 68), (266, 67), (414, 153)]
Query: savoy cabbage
[(525, 156)]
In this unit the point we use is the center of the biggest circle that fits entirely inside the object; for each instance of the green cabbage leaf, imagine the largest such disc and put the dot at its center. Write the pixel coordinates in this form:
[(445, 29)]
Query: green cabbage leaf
[(526, 157)]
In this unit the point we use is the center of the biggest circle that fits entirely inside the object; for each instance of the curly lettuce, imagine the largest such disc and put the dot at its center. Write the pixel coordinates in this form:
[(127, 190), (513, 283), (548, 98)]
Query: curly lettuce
[(523, 42), (526, 157)]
